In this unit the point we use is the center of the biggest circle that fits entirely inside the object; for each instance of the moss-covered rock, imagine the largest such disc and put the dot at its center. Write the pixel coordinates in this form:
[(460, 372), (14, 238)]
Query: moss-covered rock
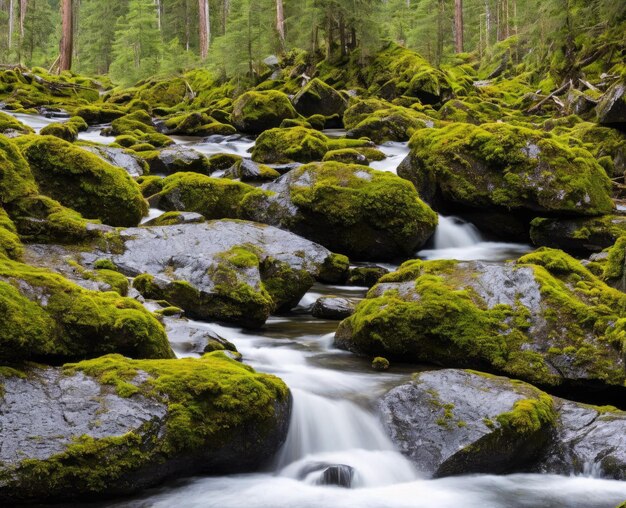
[(255, 112), (545, 319), (249, 171), (10, 244), (65, 131), (137, 122), (346, 156), (297, 144), (84, 182), (318, 98), (100, 114), (452, 422), (11, 126), (503, 167), (382, 121), (578, 235), (614, 270), (177, 158), (347, 208), (197, 123), (16, 179), (396, 71), (139, 423), (232, 271), (214, 198), (46, 317)]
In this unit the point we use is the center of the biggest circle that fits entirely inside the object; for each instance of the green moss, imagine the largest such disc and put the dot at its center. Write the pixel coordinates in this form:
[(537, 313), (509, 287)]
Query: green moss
[(441, 319), (528, 416), (50, 317), (213, 403), (10, 244), (355, 210), (16, 179), (9, 123), (255, 112), (138, 121), (346, 156), (615, 267), (214, 198), (382, 121), (99, 114), (84, 182), (104, 264), (297, 144), (65, 131), (509, 167), (380, 363)]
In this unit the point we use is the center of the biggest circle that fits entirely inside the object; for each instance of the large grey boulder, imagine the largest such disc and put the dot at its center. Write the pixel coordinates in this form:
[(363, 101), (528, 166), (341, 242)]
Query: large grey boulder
[(348, 208), (452, 422), (113, 426), (228, 270), (545, 319)]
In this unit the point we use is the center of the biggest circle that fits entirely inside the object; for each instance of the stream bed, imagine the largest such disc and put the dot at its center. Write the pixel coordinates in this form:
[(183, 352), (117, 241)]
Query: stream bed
[(334, 419)]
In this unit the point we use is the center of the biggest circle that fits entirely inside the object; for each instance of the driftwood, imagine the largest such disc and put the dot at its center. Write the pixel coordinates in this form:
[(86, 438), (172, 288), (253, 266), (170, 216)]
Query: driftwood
[(553, 95)]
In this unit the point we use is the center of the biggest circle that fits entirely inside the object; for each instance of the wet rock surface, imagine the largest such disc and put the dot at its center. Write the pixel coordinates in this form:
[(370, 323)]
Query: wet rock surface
[(333, 307)]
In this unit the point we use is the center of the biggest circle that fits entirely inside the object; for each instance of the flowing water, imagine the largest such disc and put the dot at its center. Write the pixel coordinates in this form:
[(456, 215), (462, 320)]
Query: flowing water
[(334, 418)]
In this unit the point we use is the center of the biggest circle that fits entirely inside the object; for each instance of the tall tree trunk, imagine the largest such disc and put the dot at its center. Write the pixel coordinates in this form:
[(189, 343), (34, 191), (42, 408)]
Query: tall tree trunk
[(342, 35), (203, 23), (157, 3), (67, 36), (458, 25), (11, 18), (23, 7), (280, 23)]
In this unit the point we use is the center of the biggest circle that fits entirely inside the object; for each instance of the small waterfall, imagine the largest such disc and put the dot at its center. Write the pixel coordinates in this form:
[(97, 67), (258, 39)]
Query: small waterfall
[(326, 432), (453, 232)]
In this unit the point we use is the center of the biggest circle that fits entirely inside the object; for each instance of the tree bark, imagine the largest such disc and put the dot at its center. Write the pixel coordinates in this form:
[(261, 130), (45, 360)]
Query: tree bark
[(11, 17), (458, 25), (23, 7), (280, 23), (203, 23), (67, 36)]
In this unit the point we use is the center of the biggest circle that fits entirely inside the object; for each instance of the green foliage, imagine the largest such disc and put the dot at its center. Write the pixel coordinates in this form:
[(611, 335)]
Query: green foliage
[(137, 45)]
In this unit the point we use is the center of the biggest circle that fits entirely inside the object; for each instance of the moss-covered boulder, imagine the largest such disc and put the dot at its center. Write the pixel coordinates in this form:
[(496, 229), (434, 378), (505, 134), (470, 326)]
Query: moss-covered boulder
[(113, 426), (177, 158), (46, 317), (11, 126), (10, 244), (503, 167), (382, 121), (350, 209), (577, 236), (451, 422), (545, 319), (65, 131), (614, 269), (318, 98), (84, 182), (297, 144), (214, 198), (138, 122), (197, 123), (233, 271), (99, 114), (247, 170), (255, 112), (397, 71)]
